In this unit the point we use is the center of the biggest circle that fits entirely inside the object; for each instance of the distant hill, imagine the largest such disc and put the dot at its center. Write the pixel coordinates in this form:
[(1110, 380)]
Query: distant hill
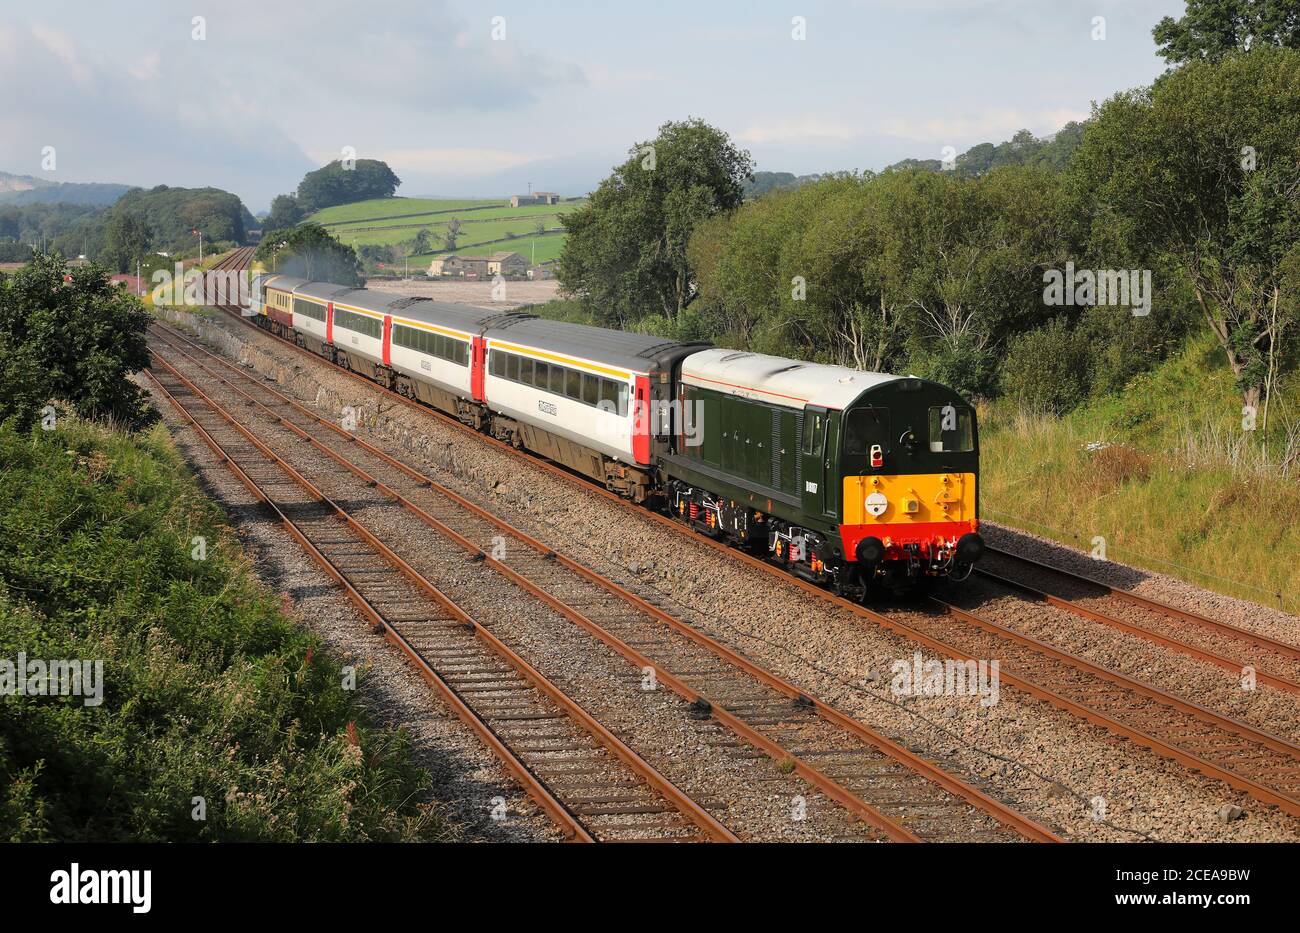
[(1024, 148), (27, 189), (172, 213), (1052, 152), (763, 182)]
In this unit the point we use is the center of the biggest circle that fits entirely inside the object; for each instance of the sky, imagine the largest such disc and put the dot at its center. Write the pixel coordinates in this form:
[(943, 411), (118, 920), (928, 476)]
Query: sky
[(487, 98)]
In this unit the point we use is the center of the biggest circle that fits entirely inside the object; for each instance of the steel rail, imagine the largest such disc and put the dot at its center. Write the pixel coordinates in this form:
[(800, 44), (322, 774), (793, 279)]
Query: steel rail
[(1191, 761), (1167, 641), (1155, 605)]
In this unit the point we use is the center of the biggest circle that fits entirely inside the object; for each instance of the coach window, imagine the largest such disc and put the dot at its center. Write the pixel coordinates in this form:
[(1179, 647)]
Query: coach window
[(557, 379), (494, 364), (590, 389), (512, 367), (542, 375), (573, 383), (609, 395)]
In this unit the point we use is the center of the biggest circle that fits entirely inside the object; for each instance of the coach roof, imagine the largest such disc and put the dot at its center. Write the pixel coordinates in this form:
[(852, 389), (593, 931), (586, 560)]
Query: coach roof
[(637, 352)]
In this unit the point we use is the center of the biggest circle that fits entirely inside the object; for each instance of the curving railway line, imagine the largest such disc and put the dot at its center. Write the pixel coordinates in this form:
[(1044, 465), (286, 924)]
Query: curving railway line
[(1261, 764)]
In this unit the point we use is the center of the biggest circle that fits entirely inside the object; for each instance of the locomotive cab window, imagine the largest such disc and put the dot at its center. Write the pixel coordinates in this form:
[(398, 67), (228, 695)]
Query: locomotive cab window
[(952, 429), (865, 428), (812, 433)]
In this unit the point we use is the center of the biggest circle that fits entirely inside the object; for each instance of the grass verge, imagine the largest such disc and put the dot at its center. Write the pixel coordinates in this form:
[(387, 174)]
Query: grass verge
[(214, 702), (1165, 474)]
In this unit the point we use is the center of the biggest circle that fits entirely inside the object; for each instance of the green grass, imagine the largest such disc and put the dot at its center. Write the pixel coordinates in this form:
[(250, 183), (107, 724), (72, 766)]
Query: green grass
[(1174, 484), (383, 207), (494, 227), (210, 690)]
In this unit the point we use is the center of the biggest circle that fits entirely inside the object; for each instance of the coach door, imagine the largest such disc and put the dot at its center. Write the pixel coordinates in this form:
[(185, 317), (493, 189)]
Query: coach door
[(812, 450)]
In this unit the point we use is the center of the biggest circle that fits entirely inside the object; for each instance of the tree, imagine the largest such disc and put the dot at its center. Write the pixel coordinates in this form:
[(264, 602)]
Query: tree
[(1211, 29), (309, 251), (625, 256), (421, 242), (127, 239), (76, 342), (452, 235), (1200, 176), (335, 184), (285, 213)]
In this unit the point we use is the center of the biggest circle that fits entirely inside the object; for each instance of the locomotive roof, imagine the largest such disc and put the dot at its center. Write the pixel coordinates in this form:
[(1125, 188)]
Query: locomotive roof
[(637, 352), (284, 282), (777, 380)]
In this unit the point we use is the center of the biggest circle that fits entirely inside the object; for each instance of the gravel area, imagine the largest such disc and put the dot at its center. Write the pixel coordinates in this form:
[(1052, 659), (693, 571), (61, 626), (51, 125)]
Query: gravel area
[(1046, 763), (516, 292)]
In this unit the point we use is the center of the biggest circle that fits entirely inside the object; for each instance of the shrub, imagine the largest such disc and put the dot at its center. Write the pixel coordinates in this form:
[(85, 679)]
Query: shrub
[(208, 689), (1048, 369)]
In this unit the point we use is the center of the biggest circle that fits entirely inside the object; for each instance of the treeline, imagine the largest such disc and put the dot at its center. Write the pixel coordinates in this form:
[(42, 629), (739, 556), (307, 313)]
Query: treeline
[(1046, 270), (140, 223)]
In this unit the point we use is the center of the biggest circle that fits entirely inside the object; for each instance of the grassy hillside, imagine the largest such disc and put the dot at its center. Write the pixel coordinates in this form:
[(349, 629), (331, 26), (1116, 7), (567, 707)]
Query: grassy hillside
[(377, 208), (208, 690), (486, 226), (1165, 473)]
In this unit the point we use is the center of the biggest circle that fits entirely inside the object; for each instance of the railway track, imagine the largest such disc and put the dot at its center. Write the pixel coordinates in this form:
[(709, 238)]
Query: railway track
[(586, 779), (891, 792), (1230, 647), (1264, 766)]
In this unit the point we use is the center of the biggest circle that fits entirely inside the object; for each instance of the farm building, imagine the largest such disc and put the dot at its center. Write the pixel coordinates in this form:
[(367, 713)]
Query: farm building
[(507, 264), (459, 265), (537, 197)]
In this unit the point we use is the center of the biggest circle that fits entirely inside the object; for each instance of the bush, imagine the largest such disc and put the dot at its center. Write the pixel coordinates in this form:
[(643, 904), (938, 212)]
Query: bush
[(77, 342), (1048, 369), (208, 690)]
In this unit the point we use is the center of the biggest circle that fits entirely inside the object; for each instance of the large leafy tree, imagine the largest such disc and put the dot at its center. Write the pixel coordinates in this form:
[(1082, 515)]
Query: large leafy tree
[(285, 213), (625, 255), (1213, 29), (1201, 176), (127, 240), (337, 184), (311, 252), (76, 341)]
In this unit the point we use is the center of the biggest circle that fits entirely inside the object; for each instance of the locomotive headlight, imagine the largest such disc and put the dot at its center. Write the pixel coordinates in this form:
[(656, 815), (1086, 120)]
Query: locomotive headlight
[(875, 504)]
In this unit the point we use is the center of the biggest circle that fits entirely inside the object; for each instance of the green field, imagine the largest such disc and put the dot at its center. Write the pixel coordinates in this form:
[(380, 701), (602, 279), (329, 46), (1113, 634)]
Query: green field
[(486, 225), (384, 207)]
